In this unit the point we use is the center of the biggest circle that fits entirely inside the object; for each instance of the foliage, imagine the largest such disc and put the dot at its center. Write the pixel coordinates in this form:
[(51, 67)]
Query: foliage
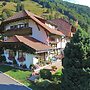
[(53, 67), (46, 84), (4, 3), (14, 62), (32, 67), (45, 74), (72, 11), (2, 58), (43, 83), (76, 71), (24, 66), (19, 7), (6, 13), (23, 75), (51, 9)]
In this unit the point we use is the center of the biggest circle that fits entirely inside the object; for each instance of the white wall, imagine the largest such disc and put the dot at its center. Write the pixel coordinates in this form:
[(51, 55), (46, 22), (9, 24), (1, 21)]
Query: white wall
[(35, 60), (6, 54), (29, 58), (61, 44), (36, 33)]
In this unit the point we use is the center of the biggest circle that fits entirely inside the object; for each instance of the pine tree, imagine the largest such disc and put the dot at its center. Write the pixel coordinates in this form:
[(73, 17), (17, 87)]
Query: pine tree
[(76, 63)]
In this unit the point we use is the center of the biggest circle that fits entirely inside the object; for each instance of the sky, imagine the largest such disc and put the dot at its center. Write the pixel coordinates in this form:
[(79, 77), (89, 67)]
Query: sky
[(81, 2)]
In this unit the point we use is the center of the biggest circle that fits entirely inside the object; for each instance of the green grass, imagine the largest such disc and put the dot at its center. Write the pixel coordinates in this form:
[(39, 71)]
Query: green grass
[(31, 6), (21, 75), (28, 4), (59, 72)]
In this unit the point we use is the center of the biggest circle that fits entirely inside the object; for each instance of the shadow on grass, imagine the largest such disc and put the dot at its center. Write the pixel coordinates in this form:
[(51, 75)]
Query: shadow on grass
[(5, 68)]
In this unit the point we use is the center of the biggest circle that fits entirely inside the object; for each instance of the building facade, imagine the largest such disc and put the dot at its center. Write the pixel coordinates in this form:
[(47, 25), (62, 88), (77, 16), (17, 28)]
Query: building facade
[(26, 36)]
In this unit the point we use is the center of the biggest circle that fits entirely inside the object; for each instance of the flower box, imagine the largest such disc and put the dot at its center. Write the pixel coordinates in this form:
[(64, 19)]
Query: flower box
[(11, 58), (21, 59)]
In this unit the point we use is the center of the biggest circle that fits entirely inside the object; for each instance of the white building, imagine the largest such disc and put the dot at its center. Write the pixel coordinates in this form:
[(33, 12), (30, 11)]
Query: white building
[(26, 36)]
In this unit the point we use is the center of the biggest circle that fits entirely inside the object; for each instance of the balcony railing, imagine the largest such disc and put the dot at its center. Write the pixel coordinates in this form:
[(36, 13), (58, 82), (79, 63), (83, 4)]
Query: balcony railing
[(18, 31)]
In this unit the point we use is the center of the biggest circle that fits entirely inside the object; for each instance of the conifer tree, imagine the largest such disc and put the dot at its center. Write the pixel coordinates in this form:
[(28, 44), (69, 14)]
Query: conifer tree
[(76, 63)]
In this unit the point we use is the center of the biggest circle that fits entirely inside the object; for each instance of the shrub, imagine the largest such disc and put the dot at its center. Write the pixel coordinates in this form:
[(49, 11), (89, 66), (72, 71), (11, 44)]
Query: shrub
[(24, 66), (46, 84), (14, 62), (2, 58), (53, 67), (43, 83), (32, 67), (45, 74), (4, 3)]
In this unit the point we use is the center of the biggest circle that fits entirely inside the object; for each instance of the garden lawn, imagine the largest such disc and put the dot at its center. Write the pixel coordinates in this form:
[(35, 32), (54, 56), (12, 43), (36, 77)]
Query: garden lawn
[(59, 72), (19, 75)]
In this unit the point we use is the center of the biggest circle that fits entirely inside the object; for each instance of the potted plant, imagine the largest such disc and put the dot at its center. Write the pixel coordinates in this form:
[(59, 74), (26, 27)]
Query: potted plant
[(11, 58)]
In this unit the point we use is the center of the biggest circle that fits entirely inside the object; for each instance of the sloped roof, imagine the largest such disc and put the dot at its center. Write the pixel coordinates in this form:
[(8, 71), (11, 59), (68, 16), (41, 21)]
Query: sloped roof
[(20, 15), (29, 41), (35, 18), (62, 25)]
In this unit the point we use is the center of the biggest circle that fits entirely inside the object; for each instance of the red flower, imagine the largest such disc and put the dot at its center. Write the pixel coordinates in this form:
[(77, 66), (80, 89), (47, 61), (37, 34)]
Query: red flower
[(21, 59), (11, 58)]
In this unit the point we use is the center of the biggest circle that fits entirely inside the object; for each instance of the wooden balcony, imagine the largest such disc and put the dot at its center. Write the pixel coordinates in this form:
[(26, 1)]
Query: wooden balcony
[(18, 31)]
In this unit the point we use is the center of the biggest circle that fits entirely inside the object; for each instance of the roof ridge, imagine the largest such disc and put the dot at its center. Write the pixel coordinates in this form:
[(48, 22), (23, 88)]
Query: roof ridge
[(30, 13)]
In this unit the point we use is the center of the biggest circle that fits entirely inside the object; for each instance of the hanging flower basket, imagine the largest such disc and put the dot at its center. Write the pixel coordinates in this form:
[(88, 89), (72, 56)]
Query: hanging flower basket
[(21, 59), (11, 58)]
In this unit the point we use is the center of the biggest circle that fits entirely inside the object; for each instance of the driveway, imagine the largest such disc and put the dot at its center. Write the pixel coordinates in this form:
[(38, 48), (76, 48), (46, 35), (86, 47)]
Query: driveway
[(7, 83)]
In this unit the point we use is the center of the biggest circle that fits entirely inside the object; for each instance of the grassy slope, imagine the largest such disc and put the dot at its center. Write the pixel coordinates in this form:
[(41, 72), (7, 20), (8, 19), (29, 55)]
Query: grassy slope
[(17, 74), (31, 6)]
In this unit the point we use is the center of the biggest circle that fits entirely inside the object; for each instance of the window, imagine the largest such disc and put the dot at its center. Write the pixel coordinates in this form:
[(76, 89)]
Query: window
[(21, 25), (21, 54), (11, 53), (26, 25), (11, 27), (15, 26)]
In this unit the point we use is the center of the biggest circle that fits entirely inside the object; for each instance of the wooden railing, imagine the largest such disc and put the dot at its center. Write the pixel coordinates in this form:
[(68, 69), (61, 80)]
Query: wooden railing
[(18, 31)]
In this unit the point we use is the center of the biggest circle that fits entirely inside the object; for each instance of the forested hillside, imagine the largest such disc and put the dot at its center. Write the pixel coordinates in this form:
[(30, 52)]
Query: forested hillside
[(70, 11), (48, 9)]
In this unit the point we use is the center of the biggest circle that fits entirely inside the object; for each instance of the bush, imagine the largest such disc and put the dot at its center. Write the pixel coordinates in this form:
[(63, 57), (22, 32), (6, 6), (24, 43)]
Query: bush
[(24, 66), (32, 67), (46, 84), (4, 3), (14, 62), (2, 58), (45, 74), (53, 67), (43, 83)]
